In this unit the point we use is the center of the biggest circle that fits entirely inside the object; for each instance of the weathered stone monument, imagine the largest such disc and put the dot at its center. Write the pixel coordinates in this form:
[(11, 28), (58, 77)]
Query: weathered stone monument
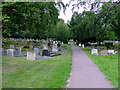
[(94, 51), (31, 56), (31, 47), (10, 52), (11, 46), (20, 49), (104, 52), (45, 46), (37, 51), (54, 48)]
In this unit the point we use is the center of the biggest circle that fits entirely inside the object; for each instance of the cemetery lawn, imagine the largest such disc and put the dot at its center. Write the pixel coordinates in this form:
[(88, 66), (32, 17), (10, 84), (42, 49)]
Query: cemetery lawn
[(49, 73), (107, 64)]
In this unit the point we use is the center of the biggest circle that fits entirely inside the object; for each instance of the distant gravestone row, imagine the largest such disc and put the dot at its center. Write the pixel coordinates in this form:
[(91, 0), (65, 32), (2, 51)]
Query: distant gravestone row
[(103, 52), (53, 51)]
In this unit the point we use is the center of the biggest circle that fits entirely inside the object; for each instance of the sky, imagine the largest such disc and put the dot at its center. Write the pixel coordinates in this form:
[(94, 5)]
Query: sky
[(68, 12)]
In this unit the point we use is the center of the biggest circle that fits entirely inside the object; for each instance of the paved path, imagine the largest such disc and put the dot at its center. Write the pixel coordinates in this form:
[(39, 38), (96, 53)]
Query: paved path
[(85, 74)]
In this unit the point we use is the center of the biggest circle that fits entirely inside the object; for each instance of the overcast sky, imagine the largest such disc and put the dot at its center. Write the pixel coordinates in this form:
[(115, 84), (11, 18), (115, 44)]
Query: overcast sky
[(68, 12)]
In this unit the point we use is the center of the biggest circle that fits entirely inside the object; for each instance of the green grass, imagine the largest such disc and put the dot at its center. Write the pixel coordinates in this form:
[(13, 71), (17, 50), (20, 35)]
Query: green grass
[(49, 73), (107, 64)]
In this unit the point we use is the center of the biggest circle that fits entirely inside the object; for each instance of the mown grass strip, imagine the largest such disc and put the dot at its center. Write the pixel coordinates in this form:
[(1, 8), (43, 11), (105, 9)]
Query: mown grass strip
[(50, 73)]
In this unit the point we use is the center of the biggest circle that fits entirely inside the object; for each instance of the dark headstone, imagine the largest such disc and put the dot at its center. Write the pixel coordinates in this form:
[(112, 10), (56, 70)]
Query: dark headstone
[(45, 53)]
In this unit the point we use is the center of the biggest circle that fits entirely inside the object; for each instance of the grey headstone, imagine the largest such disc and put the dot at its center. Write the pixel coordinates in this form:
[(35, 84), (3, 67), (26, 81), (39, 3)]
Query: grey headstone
[(37, 51), (31, 56), (20, 49), (45, 46), (11, 46), (31, 47), (10, 52), (54, 48)]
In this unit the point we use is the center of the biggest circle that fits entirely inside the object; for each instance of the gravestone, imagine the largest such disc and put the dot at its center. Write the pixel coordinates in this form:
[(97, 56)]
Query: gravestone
[(45, 53), (62, 43), (31, 56), (20, 49), (45, 46), (37, 51), (54, 42), (54, 48), (11, 46), (104, 52), (31, 47), (82, 45), (110, 51), (94, 52), (10, 52)]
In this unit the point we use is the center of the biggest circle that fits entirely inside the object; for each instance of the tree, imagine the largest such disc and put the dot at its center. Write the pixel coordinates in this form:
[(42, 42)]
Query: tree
[(38, 18), (61, 32), (82, 26)]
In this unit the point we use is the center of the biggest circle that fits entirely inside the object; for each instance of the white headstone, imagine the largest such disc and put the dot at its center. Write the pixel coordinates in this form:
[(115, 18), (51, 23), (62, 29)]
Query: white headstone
[(31, 56), (110, 51), (94, 52), (53, 42), (62, 43), (10, 52), (82, 45)]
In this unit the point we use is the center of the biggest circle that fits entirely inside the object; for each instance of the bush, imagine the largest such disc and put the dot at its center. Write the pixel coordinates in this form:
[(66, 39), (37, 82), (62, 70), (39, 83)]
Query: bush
[(108, 45)]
